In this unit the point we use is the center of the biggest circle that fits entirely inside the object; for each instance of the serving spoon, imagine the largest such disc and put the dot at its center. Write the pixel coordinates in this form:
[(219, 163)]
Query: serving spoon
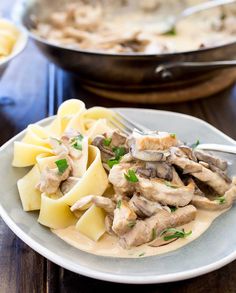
[(169, 26)]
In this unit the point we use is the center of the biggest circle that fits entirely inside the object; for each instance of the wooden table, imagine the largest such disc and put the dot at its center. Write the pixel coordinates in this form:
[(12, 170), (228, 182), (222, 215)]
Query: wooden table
[(31, 89)]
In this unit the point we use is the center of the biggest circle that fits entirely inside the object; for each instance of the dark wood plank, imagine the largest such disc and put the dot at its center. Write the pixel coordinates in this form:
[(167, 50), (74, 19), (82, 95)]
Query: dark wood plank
[(23, 92), (19, 264)]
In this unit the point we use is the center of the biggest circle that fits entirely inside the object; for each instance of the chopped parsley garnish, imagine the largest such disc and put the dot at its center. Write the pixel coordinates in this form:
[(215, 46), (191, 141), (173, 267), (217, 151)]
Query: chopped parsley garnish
[(141, 254), (131, 176), (175, 234), (76, 142), (221, 199), (131, 224), (154, 233), (119, 152), (118, 204), (169, 184), (173, 135), (112, 162), (173, 209), (194, 145), (62, 165), (107, 141), (171, 32), (77, 146)]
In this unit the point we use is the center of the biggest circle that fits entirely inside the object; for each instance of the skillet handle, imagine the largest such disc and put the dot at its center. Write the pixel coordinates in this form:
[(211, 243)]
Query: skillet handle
[(176, 69)]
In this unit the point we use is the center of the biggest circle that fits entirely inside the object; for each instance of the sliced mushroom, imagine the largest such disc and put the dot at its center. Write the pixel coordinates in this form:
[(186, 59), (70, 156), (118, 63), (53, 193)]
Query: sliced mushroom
[(148, 156), (144, 207), (117, 138), (205, 175), (106, 152), (210, 159), (146, 172), (188, 152), (220, 172), (162, 170)]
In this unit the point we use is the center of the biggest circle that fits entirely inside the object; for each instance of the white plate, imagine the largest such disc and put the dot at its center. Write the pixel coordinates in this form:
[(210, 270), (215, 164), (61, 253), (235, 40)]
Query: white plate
[(214, 249)]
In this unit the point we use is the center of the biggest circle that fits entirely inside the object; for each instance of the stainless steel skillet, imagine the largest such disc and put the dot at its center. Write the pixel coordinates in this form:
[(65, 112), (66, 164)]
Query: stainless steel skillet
[(134, 71)]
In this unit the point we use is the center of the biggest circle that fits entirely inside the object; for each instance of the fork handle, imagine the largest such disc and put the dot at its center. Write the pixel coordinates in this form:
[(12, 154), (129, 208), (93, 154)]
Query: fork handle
[(231, 149)]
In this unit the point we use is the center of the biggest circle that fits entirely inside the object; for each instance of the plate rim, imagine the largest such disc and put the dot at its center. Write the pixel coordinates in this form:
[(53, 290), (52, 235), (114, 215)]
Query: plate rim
[(104, 276)]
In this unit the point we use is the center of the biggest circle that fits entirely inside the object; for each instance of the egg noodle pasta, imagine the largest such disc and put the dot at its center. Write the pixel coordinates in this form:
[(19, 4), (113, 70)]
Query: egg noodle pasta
[(41, 148)]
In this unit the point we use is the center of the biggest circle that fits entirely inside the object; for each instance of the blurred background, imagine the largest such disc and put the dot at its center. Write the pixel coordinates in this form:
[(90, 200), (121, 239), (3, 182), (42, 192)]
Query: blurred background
[(114, 53)]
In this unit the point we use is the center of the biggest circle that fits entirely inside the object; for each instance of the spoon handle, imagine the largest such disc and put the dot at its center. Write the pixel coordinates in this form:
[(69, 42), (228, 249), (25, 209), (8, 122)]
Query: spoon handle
[(204, 6)]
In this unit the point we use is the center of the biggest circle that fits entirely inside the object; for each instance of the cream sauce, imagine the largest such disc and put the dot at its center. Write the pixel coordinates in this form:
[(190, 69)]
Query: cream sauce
[(118, 26), (109, 246)]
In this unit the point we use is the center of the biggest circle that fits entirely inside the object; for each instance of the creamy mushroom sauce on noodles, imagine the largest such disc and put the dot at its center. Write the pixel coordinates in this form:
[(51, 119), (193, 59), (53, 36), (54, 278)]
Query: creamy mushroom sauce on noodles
[(133, 26), (119, 195)]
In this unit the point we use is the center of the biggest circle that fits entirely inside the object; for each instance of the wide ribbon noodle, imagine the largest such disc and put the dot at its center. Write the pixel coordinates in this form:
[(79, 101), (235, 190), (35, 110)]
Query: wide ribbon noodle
[(35, 150)]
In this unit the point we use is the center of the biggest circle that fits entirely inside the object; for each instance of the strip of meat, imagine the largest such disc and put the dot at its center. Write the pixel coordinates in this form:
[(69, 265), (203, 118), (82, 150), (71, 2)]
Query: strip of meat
[(100, 201), (152, 146), (120, 184), (142, 232), (166, 194), (153, 140), (124, 218), (153, 189), (200, 172), (51, 179), (221, 203)]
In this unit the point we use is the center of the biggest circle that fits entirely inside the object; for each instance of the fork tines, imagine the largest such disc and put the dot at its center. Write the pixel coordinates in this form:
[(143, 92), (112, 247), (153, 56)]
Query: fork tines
[(126, 125)]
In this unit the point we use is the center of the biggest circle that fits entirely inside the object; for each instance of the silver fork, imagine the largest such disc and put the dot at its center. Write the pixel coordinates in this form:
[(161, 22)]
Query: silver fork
[(127, 126)]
